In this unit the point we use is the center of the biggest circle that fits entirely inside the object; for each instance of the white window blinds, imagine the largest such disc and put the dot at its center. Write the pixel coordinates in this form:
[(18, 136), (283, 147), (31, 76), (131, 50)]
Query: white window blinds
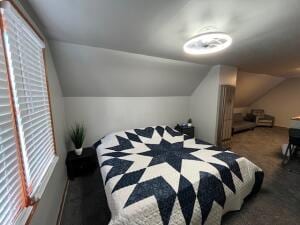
[(11, 193), (27, 74)]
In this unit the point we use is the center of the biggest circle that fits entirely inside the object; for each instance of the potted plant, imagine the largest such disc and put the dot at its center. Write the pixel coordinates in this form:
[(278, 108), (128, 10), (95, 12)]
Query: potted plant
[(189, 122), (77, 136)]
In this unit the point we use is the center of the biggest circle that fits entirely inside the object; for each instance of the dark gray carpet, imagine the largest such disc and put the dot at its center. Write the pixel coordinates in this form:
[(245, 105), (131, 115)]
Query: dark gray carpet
[(86, 202), (278, 203)]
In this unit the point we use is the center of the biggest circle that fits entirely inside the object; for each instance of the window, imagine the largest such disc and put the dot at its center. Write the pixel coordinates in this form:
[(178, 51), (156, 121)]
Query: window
[(27, 149), (10, 179)]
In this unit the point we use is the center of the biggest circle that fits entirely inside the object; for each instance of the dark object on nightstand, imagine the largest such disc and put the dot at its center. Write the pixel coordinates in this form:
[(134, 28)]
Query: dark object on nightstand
[(190, 131), (81, 165)]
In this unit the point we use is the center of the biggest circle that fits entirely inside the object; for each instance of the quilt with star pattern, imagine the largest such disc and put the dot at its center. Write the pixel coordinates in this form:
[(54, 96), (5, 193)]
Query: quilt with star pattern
[(156, 175)]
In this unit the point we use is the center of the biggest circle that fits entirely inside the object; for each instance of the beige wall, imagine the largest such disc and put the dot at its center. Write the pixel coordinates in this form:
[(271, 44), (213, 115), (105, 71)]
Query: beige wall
[(252, 86), (283, 102), (243, 110)]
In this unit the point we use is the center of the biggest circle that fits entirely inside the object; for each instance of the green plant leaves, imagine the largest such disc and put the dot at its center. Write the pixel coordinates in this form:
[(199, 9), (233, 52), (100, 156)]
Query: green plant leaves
[(77, 135)]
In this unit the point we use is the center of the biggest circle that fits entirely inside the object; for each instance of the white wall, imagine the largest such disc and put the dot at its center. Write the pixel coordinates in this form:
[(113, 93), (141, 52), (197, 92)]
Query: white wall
[(283, 102), (204, 106), (86, 71), (111, 90), (102, 115), (204, 102), (48, 207)]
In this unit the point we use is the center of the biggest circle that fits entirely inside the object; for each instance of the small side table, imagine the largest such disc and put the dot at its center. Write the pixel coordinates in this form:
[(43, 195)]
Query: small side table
[(190, 131), (81, 165)]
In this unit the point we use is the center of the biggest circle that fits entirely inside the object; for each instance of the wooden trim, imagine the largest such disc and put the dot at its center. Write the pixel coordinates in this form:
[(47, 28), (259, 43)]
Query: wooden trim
[(25, 17), (26, 200), (49, 100), (62, 203)]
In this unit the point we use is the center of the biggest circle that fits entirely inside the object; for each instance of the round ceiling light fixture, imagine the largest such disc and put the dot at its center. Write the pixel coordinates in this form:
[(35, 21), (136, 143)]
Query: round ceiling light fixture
[(207, 43)]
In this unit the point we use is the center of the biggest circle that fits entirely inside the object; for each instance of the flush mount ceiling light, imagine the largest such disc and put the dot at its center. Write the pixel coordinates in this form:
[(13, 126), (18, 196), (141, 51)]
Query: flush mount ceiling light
[(207, 43)]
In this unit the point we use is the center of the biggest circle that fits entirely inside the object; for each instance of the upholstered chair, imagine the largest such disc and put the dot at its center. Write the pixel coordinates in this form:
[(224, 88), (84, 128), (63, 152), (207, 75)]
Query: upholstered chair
[(262, 119)]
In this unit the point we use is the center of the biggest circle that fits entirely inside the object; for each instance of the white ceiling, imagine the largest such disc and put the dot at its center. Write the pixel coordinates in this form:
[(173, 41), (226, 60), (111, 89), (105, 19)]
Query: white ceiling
[(266, 33)]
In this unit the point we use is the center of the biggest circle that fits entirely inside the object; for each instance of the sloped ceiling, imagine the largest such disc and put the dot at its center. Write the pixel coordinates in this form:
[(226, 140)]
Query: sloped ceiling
[(91, 72), (266, 33), (250, 87)]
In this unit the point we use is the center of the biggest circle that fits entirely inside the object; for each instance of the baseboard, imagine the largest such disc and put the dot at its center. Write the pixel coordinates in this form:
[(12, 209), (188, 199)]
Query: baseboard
[(279, 126), (62, 204)]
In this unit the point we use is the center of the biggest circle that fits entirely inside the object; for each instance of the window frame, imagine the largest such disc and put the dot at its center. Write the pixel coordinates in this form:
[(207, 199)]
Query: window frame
[(30, 204)]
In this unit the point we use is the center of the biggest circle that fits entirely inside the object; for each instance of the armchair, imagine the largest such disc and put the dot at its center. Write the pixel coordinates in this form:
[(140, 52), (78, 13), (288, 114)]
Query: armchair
[(262, 119)]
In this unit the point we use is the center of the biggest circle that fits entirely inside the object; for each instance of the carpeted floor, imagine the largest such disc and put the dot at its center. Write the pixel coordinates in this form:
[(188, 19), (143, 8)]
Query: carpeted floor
[(278, 203)]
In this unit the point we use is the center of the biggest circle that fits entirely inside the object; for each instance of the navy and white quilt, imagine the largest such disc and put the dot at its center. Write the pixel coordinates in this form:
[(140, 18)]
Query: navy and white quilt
[(156, 175)]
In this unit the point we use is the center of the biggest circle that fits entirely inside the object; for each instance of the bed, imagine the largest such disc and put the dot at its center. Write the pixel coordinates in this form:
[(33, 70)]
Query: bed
[(156, 175)]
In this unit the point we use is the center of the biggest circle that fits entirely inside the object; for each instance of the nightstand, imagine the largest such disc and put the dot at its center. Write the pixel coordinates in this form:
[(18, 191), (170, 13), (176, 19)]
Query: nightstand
[(190, 131), (81, 165)]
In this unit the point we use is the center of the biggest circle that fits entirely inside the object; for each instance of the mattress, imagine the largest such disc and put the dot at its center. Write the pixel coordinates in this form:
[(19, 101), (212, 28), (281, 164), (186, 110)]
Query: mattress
[(156, 175)]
